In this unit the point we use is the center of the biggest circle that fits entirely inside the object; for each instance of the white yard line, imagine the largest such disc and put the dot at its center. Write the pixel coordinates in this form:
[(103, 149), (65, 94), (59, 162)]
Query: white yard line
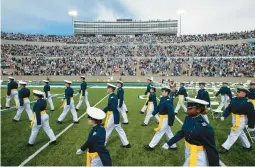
[(47, 144)]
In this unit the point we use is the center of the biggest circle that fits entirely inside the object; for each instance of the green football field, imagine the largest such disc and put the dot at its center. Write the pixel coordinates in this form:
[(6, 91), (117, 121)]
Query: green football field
[(14, 136)]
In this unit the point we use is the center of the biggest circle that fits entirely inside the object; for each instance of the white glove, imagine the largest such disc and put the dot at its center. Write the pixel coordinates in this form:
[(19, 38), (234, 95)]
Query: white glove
[(222, 118), (209, 108), (251, 130), (79, 151), (165, 146)]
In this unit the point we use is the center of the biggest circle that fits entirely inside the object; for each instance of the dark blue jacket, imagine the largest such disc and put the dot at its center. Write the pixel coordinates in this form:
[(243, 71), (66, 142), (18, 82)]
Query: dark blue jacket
[(83, 88), (120, 95), (148, 89), (23, 93), (182, 91), (46, 88), (224, 90), (96, 143), (112, 106), (251, 94), (39, 106), (11, 85), (68, 94), (165, 107), (152, 98), (241, 106), (202, 94), (198, 132)]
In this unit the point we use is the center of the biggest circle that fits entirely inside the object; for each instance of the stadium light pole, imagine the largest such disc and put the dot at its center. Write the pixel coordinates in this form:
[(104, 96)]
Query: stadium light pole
[(73, 13), (180, 12)]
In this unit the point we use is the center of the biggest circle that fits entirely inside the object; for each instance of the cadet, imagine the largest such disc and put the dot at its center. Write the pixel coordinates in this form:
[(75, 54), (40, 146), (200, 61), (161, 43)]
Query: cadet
[(112, 120), (173, 90), (166, 115), (202, 94), (147, 92), (12, 91), (40, 119), (47, 94), (68, 104), (152, 106), (241, 109), (225, 95), (182, 94), (199, 137), (97, 154), (251, 94), (83, 94), (24, 102), (121, 105)]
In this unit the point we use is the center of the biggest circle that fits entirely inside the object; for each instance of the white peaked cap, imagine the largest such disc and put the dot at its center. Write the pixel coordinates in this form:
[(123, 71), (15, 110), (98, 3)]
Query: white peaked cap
[(193, 100), (96, 113), (38, 92)]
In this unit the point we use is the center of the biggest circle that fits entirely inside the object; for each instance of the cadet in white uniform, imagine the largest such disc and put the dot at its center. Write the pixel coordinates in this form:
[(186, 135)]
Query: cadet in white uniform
[(166, 115), (241, 110), (12, 91), (40, 119), (83, 94), (182, 94), (200, 147), (112, 120), (147, 92), (226, 94), (47, 94), (68, 104), (151, 106), (121, 105), (97, 154), (24, 102)]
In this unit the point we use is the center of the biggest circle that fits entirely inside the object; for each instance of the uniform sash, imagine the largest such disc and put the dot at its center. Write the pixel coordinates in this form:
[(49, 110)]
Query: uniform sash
[(193, 153), (148, 107), (181, 99), (91, 156), (107, 118), (237, 122), (33, 118), (161, 118)]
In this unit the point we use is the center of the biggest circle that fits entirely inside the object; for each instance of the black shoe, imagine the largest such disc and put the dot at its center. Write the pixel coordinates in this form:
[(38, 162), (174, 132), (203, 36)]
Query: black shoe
[(248, 149), (15, 121), (141, 112), (126, 111), (125, 123), (52, 110), (7, 107), (148, 148), (29, 145), (59, 122), (77, 109), (53, 142), (75, 122), (222, 150), (143, 124), (174, 148), (176, 113), (126, 146)]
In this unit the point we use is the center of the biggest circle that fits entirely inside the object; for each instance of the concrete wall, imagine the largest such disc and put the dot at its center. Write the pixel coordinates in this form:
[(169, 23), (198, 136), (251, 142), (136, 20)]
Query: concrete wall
[(131, 78)]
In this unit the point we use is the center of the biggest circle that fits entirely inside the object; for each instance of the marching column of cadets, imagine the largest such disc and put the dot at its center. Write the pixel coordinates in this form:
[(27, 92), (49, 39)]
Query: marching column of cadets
[(196, 125)]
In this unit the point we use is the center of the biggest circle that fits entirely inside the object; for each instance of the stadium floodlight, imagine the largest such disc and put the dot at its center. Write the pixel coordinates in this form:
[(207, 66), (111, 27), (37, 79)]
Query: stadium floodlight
[(72, 13), (180, 12)]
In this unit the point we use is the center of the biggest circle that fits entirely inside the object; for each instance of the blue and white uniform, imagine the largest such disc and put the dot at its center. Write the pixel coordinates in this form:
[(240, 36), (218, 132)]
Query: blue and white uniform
[(12, 91)]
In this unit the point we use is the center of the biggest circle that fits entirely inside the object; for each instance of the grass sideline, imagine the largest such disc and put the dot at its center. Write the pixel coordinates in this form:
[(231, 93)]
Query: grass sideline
[(16, 135)]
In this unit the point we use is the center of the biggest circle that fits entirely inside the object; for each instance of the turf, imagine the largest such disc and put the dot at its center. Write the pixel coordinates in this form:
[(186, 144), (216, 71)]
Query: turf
[(16, 135)]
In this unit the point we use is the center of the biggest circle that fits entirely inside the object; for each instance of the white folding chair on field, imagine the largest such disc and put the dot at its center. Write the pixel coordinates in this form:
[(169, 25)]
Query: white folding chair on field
[(250, 134), (214, 112)]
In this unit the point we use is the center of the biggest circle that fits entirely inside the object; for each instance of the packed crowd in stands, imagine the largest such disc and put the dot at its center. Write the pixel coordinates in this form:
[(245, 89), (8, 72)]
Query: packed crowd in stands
[(127, 39), (130, 51)]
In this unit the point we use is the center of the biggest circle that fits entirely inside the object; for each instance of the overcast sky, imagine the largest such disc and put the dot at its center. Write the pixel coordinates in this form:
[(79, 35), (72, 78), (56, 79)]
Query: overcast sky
[(201, 16)]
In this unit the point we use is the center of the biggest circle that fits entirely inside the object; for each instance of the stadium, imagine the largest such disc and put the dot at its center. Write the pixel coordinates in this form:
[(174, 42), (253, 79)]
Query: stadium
[(151, 61)]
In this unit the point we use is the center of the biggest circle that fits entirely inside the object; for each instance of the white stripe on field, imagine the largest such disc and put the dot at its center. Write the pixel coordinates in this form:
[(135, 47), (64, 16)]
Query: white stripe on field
[(221, 163), (44, 146)]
